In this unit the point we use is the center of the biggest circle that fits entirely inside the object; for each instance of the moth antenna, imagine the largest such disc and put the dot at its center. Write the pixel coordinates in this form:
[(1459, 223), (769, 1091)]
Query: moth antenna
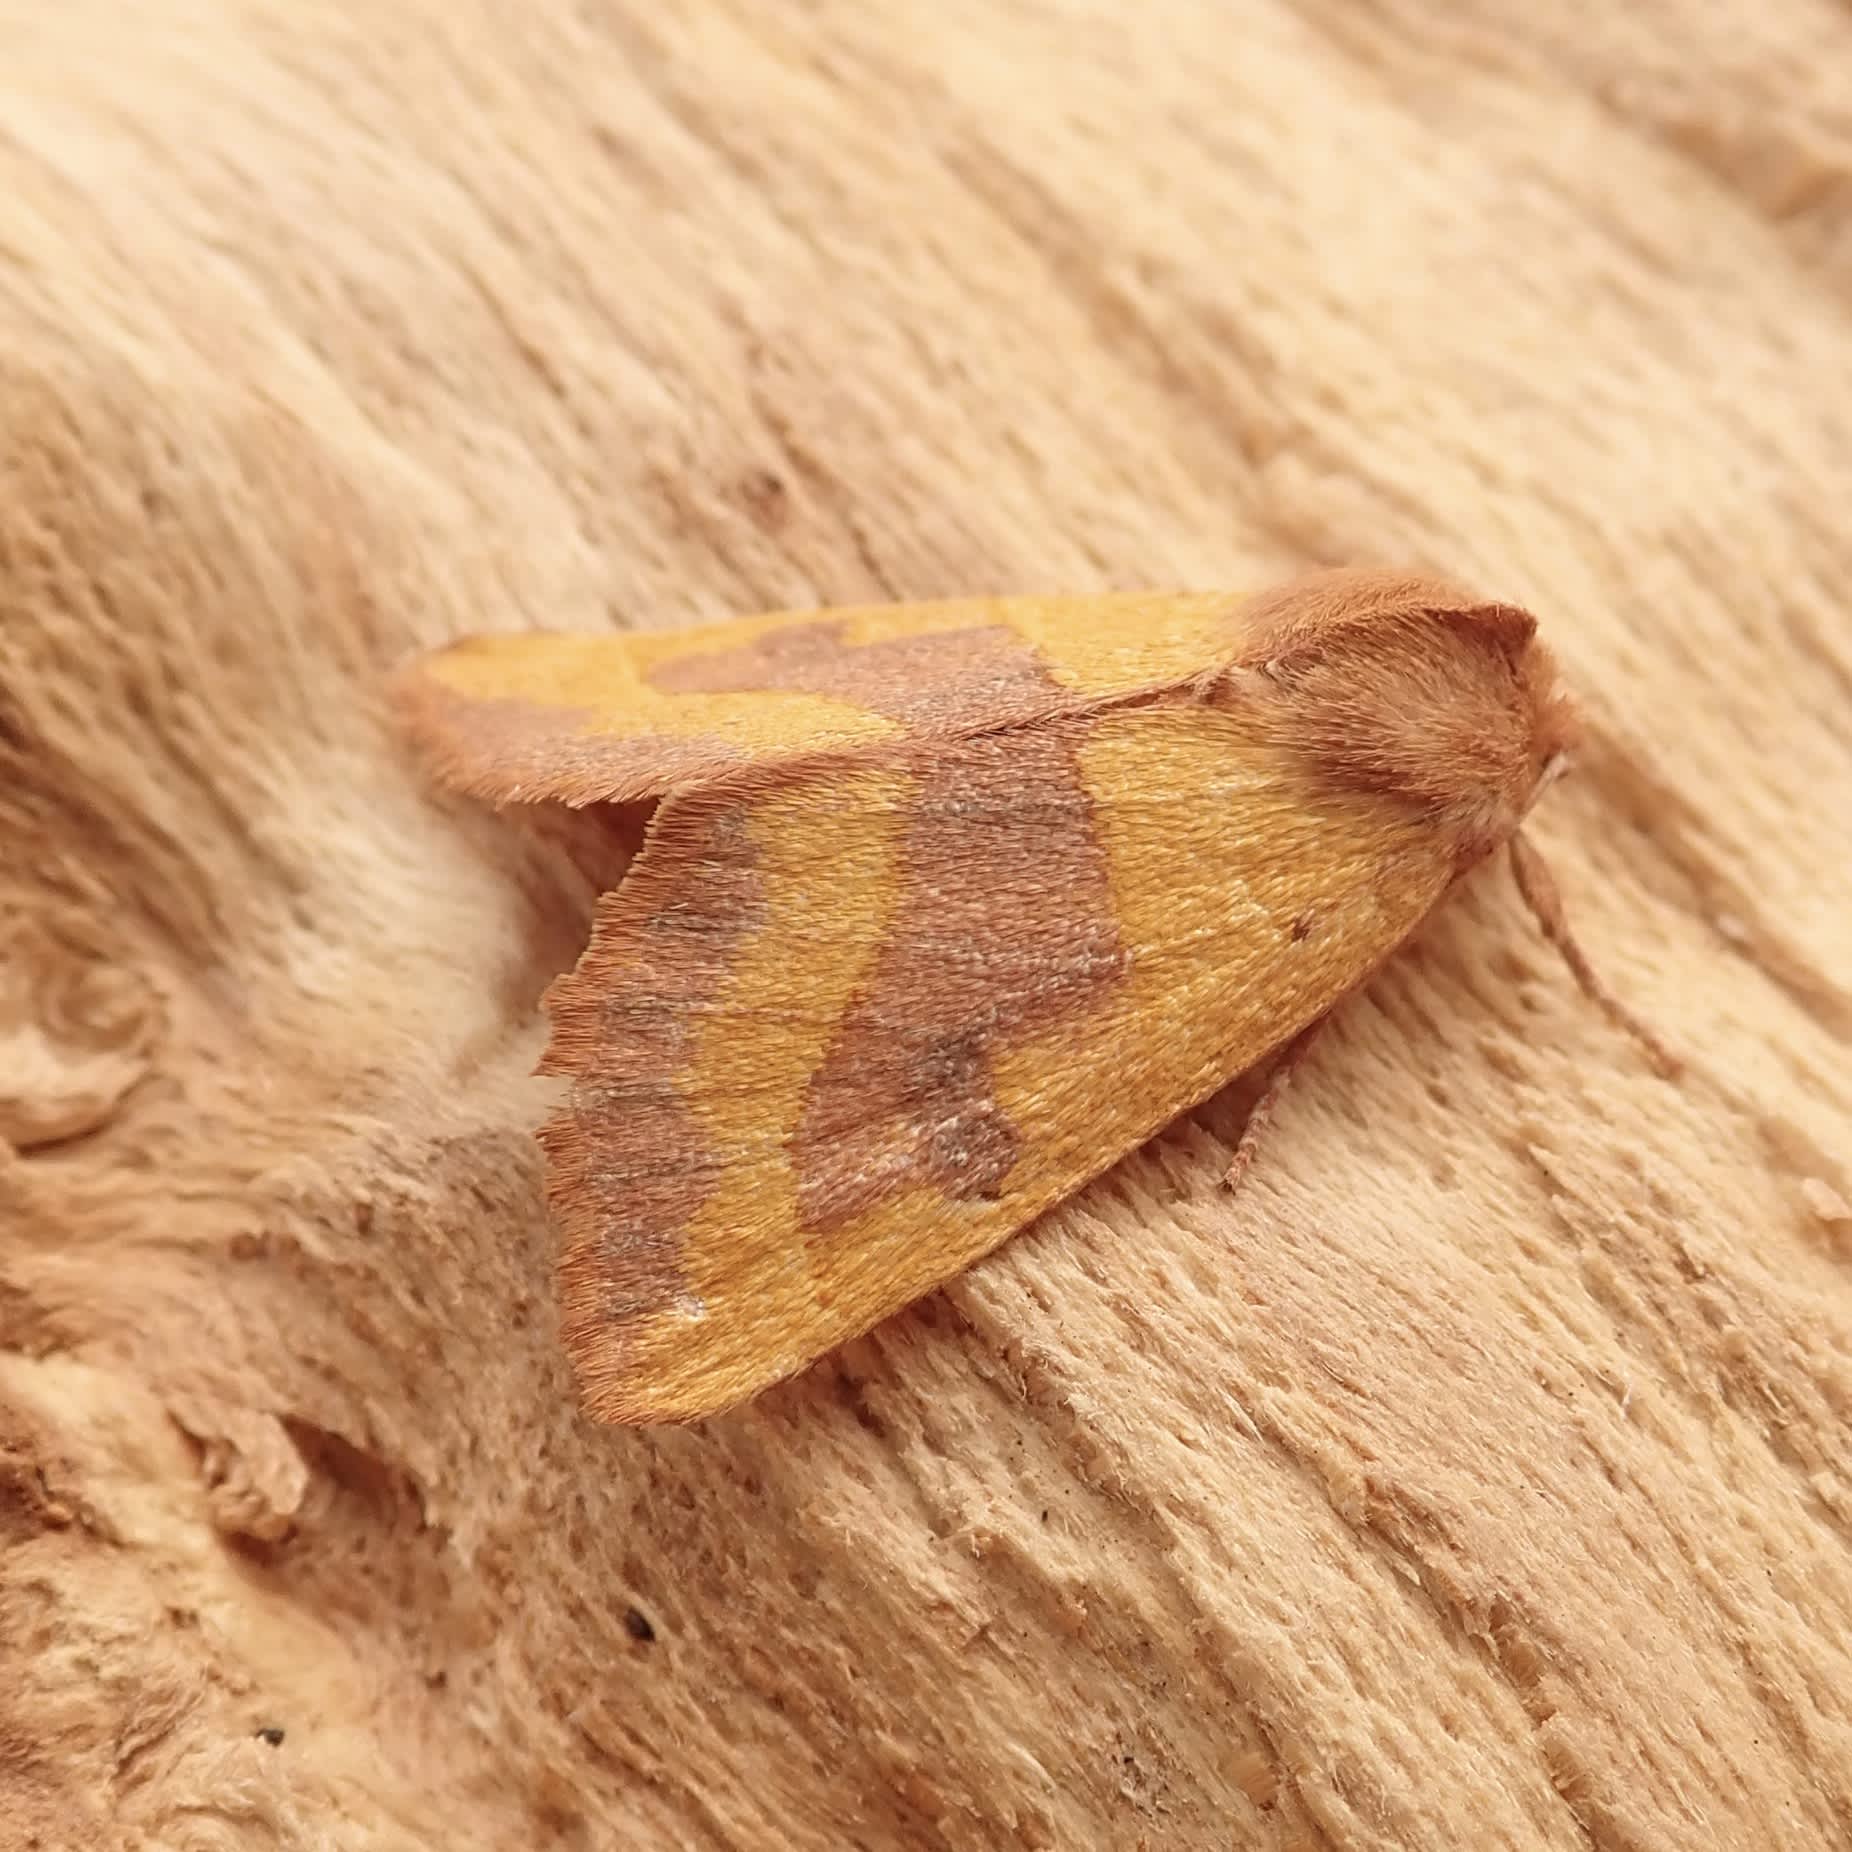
[(1261, 1114), (1538, 886)]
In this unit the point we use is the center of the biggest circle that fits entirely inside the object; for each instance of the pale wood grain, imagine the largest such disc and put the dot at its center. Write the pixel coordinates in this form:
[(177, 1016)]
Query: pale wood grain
[(1478, 1477)]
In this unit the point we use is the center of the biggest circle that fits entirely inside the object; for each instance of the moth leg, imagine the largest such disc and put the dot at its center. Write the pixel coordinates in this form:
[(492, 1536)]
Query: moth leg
[(1538, 886), (1285, 1062)]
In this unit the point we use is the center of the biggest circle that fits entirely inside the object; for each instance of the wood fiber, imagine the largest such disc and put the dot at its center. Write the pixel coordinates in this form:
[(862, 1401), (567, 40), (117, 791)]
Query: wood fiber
[(1476, 1477)]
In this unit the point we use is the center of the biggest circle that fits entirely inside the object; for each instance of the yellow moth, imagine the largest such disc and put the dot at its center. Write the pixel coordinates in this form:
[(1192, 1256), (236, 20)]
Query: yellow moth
[(943, 908)]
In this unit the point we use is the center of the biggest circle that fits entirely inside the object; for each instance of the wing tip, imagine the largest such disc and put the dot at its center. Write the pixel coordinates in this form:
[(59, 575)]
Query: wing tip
[(632, 1331), (504, 749), (623, 1367), (435, 717), (603, 1346)]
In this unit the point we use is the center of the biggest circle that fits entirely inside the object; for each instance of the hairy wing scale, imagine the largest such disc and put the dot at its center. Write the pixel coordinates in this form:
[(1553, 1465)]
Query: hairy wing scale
[(591, 719), (1237, 901)]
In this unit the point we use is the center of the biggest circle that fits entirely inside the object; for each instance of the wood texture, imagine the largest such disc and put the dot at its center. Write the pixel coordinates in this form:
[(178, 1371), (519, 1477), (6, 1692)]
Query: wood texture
[(1477, 1478)]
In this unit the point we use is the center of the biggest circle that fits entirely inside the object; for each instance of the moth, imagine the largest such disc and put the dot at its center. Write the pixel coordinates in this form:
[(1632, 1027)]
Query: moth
[(943, 908)]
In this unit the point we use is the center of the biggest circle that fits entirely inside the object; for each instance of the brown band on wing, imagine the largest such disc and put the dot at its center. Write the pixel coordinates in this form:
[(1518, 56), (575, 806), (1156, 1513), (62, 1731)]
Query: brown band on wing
[(511, 751), (935, 681), (629, 1165), (1004, 926)]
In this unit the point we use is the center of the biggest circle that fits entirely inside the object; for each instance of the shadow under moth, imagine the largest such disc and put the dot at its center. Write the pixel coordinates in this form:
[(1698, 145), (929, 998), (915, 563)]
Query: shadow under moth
[(943, 908)]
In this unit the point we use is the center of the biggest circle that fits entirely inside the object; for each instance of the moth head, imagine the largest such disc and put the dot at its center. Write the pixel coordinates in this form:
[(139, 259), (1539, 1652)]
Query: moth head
[(1411, 688)]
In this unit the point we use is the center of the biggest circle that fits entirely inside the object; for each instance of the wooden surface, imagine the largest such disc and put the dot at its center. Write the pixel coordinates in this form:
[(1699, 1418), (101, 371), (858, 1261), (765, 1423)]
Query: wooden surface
[(1478, 1477)]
